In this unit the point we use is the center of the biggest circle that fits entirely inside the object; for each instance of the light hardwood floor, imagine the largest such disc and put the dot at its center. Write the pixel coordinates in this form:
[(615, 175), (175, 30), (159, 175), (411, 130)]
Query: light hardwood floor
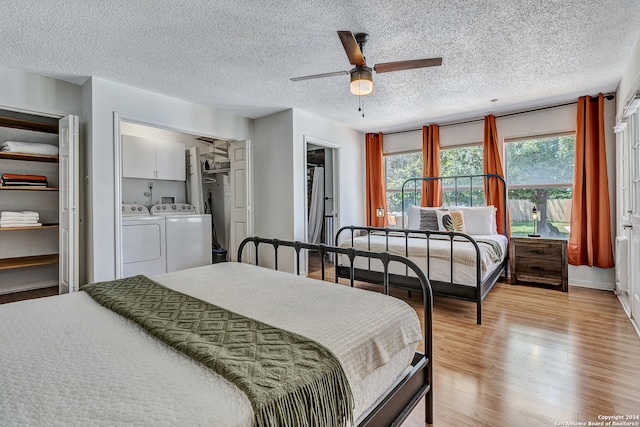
[(539, 358)]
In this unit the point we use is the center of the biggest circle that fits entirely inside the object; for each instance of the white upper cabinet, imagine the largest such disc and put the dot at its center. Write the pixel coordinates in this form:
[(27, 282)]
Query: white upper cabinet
[(151, 159), (171, 161)]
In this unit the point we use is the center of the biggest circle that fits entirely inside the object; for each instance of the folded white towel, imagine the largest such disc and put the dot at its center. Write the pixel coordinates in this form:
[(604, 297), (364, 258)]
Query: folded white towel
[(21, 220), (29, 148), (19, 224), (18, 212), (23, 214)]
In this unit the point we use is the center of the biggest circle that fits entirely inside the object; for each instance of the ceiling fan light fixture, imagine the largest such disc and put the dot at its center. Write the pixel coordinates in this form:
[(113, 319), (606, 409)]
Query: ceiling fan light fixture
[(361, 81)]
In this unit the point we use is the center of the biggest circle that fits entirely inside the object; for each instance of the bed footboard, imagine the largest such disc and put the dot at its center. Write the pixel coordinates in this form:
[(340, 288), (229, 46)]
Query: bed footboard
[(396, 405), (405, 281)]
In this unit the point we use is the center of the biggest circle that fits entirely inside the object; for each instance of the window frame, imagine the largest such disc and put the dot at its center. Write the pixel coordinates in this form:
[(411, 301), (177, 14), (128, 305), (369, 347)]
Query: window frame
[(561, 185), (399, 189)]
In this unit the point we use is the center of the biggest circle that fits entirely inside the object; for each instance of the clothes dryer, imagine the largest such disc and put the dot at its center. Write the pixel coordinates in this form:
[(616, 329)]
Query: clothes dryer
[(188, 235), (143, 242)]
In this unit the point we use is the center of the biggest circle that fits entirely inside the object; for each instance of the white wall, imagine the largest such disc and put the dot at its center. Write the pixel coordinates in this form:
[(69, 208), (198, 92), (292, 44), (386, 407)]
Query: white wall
[(280, 175), (351, 167), (543, 122), (102, 98), (273, 207), (34, 93), (630, 81)]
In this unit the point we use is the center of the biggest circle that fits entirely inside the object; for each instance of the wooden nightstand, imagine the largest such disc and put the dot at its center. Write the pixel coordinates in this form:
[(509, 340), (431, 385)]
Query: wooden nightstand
[(539, 261)]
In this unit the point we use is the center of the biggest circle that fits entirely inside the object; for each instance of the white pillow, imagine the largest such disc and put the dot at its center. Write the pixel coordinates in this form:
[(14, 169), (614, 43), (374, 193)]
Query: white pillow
[(451, 220), (414, 216), (479, 219)]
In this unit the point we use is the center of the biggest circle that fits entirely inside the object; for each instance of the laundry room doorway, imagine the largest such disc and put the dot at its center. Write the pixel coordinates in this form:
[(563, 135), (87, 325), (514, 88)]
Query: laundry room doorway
[(322, 196), (160, 168)]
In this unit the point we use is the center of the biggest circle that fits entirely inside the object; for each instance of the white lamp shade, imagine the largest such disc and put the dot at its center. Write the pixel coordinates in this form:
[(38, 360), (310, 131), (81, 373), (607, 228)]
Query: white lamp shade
[(361, 81), (361, 87)]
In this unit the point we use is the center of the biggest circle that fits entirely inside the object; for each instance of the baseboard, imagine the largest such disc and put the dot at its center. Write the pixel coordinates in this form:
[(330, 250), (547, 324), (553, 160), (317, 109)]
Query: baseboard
[(22, 287), (634, 322), (592, 285)]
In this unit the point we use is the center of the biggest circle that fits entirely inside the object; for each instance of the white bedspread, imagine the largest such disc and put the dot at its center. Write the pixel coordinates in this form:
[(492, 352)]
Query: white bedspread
[(66, 360), (439, 265)]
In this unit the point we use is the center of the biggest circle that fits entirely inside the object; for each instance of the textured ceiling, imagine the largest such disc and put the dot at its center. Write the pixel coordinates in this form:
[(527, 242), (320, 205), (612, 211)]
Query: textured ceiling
[(239, 55)]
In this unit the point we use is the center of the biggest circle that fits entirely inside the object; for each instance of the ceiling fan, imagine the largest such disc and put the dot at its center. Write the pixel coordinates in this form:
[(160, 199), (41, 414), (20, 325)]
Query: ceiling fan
[(361, 75)]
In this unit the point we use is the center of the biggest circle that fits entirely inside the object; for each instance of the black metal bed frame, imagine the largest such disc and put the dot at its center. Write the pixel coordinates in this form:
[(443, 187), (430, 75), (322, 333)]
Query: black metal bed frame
[(450, 289), (398, 403)]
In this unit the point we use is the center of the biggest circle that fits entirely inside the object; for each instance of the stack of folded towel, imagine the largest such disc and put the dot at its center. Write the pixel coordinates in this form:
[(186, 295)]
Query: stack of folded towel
[(29, 148), (19, 219), (14, 179)]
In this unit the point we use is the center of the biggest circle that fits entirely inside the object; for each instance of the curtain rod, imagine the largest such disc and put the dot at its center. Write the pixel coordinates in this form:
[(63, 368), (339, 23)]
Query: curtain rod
[(608, 96)]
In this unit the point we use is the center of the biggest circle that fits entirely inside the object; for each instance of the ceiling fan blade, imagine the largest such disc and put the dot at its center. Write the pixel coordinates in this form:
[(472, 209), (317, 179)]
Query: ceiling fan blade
[(385, 67), (351, 48), (318, 76)]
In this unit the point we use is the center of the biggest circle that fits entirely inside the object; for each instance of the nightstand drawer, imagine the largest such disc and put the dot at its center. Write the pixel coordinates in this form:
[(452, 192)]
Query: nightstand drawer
[(539, 261), (546, 269), (539, 252)]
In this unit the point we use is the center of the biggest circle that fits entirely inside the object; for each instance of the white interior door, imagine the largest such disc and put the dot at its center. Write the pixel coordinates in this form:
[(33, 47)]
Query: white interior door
[(194, 179), (629, 210), (69, 200), (240, 212), (634, 255)]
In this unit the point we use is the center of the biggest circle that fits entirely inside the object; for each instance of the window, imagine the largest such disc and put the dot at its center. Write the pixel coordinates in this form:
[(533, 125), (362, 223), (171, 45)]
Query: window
[(464, 160), (397, 169), (540, 173)]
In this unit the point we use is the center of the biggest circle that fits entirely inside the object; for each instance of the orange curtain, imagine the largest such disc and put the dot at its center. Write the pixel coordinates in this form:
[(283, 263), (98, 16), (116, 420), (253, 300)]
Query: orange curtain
[(492, 164), (376, 188), (590, 234), (431, 191)]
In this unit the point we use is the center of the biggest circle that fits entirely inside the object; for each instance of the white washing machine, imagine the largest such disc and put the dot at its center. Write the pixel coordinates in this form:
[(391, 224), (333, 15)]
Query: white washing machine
[(143, 242), (188, 235)]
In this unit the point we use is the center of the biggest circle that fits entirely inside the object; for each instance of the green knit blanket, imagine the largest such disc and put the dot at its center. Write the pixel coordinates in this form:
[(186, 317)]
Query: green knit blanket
[(289, 379)]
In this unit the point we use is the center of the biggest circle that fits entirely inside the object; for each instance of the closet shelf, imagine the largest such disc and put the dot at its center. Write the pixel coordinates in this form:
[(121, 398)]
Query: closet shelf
[(215, 171), (40, 227), (28, 261), (28, 157), (28, 188), (216, 154)]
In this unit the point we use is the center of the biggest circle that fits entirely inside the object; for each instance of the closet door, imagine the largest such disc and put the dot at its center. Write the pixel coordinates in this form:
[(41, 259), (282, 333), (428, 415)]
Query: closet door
[(634, 251), (240, 195), (69, 204), (634, 217)]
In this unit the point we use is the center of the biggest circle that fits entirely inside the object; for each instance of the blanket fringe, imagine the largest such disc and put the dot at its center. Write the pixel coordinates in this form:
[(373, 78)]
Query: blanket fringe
[(322, 402)]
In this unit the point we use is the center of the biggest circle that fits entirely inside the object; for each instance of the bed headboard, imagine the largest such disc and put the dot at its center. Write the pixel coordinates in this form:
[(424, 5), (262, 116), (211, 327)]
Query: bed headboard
[(458, 190)]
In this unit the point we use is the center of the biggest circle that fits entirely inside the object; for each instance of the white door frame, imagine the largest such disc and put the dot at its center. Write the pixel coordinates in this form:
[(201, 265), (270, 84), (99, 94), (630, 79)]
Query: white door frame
[(335, 150), (627, 132), (240, 214), (117, 152)]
